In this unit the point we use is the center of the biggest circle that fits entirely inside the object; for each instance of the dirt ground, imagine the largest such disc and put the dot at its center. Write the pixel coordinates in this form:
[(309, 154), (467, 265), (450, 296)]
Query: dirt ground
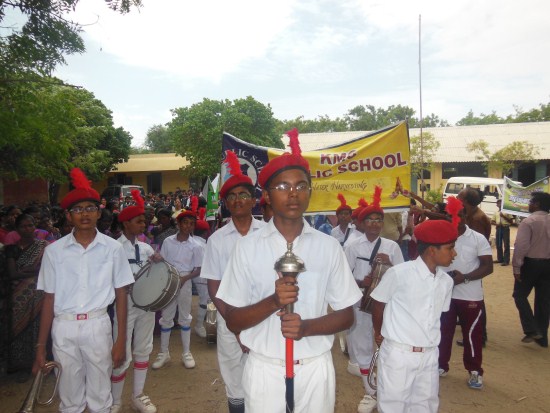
[(517, 375)]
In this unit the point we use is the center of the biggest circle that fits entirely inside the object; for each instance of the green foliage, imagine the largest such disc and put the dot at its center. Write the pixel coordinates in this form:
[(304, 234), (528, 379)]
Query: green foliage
[(435, 195), (320, 124), (158, 140), (423, 152), (196, 131), (506, 158)]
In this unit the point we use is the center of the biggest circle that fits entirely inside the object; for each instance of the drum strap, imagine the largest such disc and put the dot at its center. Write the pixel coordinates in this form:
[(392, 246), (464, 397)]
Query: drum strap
[(138, 259), (374, 252)]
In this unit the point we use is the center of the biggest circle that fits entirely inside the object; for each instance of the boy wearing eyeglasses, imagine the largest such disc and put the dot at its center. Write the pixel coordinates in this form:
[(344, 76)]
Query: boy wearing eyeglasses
[(239, 196), (363, 254), (255, 296), (81, 274)]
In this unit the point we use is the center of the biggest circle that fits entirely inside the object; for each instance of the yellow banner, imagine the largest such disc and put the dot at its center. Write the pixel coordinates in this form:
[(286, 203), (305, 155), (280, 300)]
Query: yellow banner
[(353, 168)]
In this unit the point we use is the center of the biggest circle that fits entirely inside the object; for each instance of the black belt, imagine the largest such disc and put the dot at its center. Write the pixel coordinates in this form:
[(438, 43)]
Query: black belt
[(537, 259)]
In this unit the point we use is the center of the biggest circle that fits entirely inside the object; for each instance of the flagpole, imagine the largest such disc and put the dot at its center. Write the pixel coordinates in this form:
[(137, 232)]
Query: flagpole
[(422, 185)]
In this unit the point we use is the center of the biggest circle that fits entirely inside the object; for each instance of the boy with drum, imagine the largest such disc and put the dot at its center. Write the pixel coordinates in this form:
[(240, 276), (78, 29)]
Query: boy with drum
[(81, 274), (363, 255), (186, 256), (139, 323)]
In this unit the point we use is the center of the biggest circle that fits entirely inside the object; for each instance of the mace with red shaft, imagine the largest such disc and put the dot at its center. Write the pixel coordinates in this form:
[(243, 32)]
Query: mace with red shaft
[(289, 265)]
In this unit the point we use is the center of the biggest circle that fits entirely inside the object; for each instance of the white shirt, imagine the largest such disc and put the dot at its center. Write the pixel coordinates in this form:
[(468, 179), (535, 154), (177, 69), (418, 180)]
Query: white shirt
[(219, 247), (406, 221), (201, 242), (469, 247), (145, 251), (83, 279), (183, 255), (414, 300), (352, 237), (362, 248), (250, 277), (341, 235)]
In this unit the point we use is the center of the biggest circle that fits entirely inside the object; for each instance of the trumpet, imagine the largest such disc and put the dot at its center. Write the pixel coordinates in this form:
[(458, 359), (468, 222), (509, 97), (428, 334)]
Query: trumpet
[(371, 380), (32, 396)]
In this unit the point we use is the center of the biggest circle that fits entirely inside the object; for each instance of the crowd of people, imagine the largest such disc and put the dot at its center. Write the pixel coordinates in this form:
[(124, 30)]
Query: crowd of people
[(395, 285)]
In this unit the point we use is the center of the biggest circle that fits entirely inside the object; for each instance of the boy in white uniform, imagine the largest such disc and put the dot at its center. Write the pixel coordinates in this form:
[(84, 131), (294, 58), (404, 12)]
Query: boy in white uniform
[(358, 253), (345, 229), (140, 323), (406, 317), (81, 274), (239, 196), (186, 256), (256, 295)]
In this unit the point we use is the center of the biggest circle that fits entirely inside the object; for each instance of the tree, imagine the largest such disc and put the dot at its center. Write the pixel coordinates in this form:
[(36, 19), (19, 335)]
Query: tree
[(506, 158), (470, 119), (320, 124), (422, 153), (196, 131), (158, 140)]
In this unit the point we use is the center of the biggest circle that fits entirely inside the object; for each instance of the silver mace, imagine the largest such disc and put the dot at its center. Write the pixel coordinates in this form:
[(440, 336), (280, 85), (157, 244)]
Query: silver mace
[(289, 265)]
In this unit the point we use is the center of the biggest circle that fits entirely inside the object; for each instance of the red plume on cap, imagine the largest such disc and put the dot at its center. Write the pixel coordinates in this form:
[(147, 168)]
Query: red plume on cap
[(292, 160), (195, 204), (374, 207), (82, 191), (360, 205), (454, 206), (343, 205), (134, 210), (237, 177)]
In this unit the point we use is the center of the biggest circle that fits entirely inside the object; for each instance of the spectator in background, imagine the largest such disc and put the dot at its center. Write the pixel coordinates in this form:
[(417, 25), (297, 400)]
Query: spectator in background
[(502, 223), (8, 221), (475, 218), (23, 261), (393, 227)]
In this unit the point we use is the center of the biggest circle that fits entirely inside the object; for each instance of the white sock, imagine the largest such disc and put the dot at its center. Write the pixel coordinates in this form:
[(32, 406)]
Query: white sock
[(186, 339), (141, 365), (368, 389), (164, 339), (117, 385)]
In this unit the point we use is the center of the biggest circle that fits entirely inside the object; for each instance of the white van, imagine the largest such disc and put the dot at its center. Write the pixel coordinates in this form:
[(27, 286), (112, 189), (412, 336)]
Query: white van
[(491, 188)]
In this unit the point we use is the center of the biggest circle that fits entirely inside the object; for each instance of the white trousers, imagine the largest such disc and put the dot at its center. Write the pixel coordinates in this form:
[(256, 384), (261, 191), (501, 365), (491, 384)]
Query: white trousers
[(202, 289), (140, 324), (407, 381), (84, 350), (361, 339), (183, 304), (264, 385), (231, 360)]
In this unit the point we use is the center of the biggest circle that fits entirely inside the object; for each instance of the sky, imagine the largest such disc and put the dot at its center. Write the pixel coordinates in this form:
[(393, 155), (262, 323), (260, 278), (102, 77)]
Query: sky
[(313, 58)]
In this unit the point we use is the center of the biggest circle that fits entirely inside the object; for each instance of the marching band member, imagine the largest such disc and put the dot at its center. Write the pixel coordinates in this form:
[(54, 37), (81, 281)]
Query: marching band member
[(239, 196), (140, 323), (186, 256), (359, 254), (81, 274), (345, 228), (406, 317), (255, 295)]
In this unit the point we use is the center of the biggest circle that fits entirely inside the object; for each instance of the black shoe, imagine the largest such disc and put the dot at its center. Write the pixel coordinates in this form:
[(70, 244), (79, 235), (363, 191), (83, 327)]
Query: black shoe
[(542, 342), (496, 262), (504, 264), (530, 337)]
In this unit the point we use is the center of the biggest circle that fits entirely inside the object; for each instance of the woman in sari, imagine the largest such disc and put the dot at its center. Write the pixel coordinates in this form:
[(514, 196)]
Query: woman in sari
[(23, 261)]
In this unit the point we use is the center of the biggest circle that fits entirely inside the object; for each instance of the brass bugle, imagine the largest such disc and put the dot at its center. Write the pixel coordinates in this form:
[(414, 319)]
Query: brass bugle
[(36, 387), (371, 381)]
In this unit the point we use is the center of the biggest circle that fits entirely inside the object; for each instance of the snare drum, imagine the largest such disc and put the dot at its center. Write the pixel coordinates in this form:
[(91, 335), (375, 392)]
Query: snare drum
[(156, 285)]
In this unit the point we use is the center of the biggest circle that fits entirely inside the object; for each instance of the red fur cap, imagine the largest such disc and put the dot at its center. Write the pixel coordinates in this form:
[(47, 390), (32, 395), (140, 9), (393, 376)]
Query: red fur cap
[(292, 160), (237, 177), (374, 207), (343, 205), (133, 211), (82, 191)]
